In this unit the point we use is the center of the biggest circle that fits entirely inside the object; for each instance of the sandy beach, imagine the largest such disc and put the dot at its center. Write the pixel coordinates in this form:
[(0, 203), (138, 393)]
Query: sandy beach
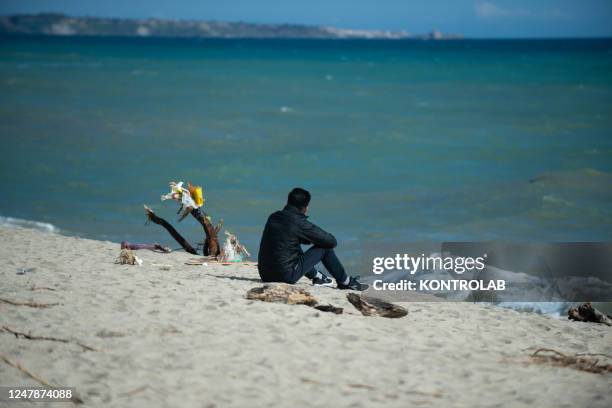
[(187, 336)]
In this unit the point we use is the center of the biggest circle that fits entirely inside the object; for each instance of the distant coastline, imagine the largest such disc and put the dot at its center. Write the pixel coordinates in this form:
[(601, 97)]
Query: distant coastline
[(55, 24)]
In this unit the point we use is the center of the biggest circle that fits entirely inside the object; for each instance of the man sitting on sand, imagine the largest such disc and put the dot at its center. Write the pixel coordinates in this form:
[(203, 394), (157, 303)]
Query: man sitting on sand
[(280, 255)]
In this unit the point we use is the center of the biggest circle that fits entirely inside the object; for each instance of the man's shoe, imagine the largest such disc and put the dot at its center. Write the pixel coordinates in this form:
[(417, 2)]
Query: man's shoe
[(322, 281), (353, 284)]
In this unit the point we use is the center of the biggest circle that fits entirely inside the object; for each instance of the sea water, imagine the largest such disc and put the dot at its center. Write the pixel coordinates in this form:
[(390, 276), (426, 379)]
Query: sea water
[(401, 140)]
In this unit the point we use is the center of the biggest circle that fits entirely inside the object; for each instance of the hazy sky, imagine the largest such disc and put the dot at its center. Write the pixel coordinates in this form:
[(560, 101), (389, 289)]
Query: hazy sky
[(473, 18)]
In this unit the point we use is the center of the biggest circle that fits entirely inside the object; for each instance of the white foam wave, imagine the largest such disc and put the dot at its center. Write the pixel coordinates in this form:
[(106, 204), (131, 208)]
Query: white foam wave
[(553, 309), (37, 225)]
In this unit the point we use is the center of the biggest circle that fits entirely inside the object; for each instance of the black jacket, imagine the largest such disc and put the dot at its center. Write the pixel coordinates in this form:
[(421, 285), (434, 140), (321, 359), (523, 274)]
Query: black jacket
[(280, 251)]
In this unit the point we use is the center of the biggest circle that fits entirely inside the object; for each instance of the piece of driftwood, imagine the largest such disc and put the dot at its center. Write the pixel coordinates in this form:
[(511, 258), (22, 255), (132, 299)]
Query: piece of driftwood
[(363, 386), (282, 293), (211, 242), (75, 398), (135, 391), (34, 288), (219, 226), (583, 361), (151, 217), (29, 336), (29, 304), (330, 308), (202, 261), (587, 313), (191, 201), (369, 306), (195, 263), (291, 295)]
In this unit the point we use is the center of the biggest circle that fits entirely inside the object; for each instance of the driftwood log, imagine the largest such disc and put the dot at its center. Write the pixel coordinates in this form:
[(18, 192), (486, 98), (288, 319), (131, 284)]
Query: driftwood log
[(587, 313), (330, 308), (30, 336), (369, 306), (291, 295), (28, 304), (151, 217), (211, 242), (282, 293)]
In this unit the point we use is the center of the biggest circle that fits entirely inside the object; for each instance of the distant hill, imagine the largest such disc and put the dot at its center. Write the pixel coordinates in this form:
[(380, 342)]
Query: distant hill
[(60, 24)]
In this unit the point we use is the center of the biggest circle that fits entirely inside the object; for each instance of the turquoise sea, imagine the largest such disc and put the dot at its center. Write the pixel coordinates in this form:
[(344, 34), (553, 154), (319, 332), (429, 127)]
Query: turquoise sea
[(408, 140)]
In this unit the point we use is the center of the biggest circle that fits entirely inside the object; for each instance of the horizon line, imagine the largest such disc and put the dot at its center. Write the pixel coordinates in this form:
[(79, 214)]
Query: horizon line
[(415, 34)]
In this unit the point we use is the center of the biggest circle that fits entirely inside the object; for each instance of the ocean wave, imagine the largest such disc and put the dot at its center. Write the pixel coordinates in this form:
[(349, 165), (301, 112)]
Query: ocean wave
[(553, 309), (37, 225)]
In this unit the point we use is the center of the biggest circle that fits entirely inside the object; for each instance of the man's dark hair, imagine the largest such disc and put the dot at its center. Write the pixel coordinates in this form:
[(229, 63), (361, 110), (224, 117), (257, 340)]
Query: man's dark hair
[(298, 197)]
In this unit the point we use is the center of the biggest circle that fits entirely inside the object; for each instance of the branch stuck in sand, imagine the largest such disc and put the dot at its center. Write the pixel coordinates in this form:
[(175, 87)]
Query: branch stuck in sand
[(32, 337), (29, 304), (583, 361), (178, 237), (75, 399)]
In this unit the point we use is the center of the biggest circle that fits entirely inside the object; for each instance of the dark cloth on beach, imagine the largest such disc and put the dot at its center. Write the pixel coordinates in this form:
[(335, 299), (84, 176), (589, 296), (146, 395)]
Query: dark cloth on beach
[(281, 258)]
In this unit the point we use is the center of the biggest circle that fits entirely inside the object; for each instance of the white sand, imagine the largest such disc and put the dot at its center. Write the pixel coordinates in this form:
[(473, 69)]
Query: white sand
[(188, 337)]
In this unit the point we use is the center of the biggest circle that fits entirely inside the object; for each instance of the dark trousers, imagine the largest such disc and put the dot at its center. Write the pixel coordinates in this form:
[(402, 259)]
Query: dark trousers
[(314, 255)]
